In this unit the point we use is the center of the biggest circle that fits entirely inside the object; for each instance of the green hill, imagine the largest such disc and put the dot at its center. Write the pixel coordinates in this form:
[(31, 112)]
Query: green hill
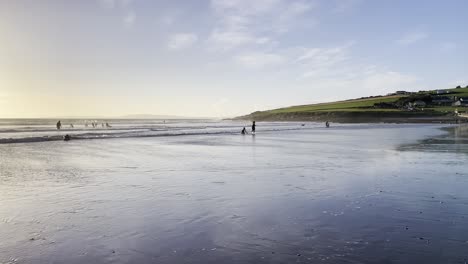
[(423, 106)]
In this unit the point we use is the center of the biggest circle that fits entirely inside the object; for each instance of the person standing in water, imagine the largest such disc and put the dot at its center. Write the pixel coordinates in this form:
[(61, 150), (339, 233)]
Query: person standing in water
[(59, 125), (253, 127), (327, 124)]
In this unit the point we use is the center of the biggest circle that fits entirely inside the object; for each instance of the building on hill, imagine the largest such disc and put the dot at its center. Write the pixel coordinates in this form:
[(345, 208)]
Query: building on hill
[(442, 100), (402, 93), (442, 91), (462, 101), (419, 104)]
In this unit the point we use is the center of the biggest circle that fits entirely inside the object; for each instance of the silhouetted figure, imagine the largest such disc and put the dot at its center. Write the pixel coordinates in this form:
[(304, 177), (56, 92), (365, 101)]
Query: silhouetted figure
[(66, 137), (253, 127), (59, 125), (71, 126), (108, 126), (327, 124), (244, 131)]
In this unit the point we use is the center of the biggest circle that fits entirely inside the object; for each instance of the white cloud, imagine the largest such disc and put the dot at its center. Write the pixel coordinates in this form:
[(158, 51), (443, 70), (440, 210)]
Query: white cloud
[(244, 22), (380, 82), (462, 82), (448, 46), (110, 4), (388, 81), (229, 39), (259, 60), (324, 61), (182, 41), (343, 6), (335, 68), (130, 16), (411, 38)]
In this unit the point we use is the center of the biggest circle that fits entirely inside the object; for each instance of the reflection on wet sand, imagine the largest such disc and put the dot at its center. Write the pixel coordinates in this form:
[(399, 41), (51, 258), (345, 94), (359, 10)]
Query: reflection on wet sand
[(455, 140), (360, 194)]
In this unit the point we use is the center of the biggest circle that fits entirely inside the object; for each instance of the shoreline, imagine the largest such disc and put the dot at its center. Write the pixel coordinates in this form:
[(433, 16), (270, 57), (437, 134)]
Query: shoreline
[(354, 117)]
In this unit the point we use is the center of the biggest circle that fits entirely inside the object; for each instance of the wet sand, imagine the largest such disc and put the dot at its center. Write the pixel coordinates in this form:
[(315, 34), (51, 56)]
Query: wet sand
[(347, 194)]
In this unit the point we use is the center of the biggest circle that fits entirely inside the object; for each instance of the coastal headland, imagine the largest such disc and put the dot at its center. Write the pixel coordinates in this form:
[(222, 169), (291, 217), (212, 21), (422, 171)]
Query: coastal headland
[(445, 105)]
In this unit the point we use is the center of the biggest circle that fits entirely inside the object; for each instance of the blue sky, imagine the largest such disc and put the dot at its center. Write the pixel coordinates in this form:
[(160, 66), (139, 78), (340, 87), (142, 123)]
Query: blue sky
[(221, 57)]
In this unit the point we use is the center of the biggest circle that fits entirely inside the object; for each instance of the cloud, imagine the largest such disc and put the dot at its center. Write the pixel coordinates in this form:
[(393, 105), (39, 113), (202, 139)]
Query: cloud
[(324, 61), (181, 41), (259, 60), (448, 46), (245, 22), (460, 81), (343, 6), (388, 81), (230, 39), (130, 16), (335, 68), (110, 4), (411, 38)]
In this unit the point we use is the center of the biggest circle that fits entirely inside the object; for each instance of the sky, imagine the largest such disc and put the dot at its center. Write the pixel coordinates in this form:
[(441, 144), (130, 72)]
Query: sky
[(221, 58)]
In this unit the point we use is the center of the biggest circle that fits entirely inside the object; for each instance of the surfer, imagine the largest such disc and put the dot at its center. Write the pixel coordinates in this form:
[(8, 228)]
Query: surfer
[(59, 125), (107, 125), (244, 131), (327, 124), (253, 127), (66, 137)]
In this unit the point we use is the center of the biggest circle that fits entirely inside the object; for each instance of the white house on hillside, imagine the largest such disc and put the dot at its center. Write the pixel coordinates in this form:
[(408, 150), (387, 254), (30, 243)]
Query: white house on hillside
[(442, 92)]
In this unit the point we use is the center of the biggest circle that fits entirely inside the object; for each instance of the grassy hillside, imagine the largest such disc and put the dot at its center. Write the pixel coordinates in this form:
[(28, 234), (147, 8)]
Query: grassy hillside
[(375, 108)]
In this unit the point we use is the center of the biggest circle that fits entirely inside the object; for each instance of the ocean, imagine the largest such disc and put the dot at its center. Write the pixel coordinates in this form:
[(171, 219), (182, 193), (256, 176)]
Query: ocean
[(197, 191)]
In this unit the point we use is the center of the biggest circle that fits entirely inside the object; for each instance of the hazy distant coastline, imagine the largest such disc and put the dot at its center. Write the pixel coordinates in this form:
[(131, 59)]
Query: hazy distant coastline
[(134, 116)]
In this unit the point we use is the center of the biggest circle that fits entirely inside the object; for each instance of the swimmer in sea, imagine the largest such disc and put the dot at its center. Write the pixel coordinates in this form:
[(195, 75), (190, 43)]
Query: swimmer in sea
[(244, 131), (253, 127), (59, 125)]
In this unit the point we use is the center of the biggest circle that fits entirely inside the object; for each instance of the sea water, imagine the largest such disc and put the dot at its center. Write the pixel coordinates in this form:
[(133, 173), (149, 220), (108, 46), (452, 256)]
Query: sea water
[(186, 191)]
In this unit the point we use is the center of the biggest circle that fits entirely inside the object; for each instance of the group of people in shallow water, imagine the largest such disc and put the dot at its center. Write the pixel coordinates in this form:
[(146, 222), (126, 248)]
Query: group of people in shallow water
[(94, 124), (244, 131), (67, 137)]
